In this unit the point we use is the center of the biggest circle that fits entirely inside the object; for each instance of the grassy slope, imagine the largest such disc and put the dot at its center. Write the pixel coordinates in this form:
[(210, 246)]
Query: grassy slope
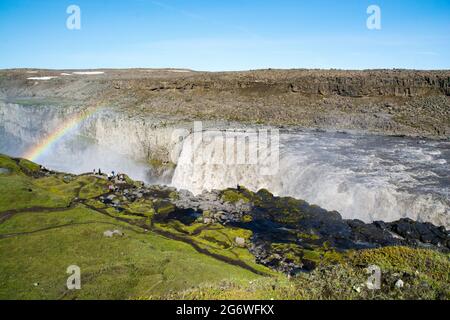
[(118, 268), (37, 247), (426, 275)]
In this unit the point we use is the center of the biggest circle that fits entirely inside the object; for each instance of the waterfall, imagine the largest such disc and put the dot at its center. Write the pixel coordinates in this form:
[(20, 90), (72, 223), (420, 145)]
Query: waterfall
[(219, 159), (363, 177), (110, 140)]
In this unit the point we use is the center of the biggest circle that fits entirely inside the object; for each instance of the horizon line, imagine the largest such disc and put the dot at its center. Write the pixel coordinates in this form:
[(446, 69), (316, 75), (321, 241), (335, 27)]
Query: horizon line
[(218, 71)]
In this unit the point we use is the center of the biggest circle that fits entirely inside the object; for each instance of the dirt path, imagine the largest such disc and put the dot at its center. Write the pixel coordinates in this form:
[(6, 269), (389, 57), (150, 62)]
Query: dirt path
[(10, 235), (10, 213), (192, 243), (186, 240)]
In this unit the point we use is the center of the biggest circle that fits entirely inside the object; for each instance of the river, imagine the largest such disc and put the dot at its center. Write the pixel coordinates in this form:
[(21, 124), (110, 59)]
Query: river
[(363, 176)]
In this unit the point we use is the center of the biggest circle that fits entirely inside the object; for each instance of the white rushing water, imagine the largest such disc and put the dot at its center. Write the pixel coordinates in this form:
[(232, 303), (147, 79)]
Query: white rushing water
[(363, 177), (106, 140), (367, 177)]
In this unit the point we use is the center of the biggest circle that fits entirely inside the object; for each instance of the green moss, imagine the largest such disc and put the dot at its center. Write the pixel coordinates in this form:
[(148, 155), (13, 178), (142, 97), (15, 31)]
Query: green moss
[(433, 264), (174, 195), (233, 196), (128, 180), (57, 185), (143, 207), (138, 264), (92, 187), (38, 245), (312, 255), (164, 207), (84, 187), (95, 204), (8, 163), (19, 192), (156, 163), (18, 166), (194, 228), (29, 166), (315, 255), (217, 239), (265, 194), (308, 236), (345, 281), (333, 257), (160, 164), (206, 214)]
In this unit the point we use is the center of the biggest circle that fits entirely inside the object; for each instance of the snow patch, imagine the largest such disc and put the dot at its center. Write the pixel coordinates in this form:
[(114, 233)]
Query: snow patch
[(41, 78)]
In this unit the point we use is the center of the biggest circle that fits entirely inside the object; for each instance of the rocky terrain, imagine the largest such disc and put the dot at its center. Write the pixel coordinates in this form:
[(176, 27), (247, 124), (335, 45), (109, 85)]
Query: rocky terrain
[(400, 102), (115, 228), (288, 235), (135, 240)]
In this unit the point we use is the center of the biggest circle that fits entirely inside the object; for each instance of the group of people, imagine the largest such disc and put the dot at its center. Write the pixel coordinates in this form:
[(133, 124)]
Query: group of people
[(114, 178), (44, 169), (111, 176), (99, 172)]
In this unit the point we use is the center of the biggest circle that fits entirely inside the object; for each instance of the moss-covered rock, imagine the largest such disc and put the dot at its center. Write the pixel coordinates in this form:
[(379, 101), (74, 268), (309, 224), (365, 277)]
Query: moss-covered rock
[(29, 166), (9, 163), (257, 232), (234, 196), (142, 207), (344, 281), (164, 208)]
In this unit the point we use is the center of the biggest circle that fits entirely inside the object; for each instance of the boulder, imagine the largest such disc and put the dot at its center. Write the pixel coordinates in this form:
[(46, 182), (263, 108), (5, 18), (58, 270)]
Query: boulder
[(399, 284), (112, 233), (240, 241), (108, 234), (4, 171)]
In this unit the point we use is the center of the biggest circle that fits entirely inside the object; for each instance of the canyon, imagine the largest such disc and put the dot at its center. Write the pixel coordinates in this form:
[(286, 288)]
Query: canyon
[(372, 145), (363, 176), (400, 102), (357, 174)]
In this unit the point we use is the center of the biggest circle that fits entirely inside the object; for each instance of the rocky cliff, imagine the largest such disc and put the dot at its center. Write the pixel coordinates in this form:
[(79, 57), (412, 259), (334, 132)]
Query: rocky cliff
[(388, 101)]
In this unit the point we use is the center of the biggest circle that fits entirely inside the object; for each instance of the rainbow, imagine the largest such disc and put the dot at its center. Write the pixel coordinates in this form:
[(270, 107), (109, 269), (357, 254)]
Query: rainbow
[(48, 141)]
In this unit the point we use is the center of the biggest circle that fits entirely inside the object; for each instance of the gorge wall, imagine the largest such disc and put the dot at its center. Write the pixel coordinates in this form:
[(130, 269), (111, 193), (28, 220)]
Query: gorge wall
[(401, 102), (143, 117), (367, 177)]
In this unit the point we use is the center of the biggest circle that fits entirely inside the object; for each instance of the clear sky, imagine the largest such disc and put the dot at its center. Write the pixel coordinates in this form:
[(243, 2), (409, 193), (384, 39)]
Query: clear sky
[(225, 34)]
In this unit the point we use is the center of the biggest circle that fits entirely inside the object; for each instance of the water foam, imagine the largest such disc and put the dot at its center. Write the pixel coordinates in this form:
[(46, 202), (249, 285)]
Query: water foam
[(363, 177)]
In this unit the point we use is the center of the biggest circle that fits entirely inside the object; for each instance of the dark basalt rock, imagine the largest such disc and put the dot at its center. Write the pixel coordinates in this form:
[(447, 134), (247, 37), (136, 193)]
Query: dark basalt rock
[(298, 227), (416, 233), (371, 235), (289, 235)]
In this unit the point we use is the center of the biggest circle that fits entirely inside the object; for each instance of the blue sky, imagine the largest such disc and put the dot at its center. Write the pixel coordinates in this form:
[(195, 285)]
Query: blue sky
[(225, 35)]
